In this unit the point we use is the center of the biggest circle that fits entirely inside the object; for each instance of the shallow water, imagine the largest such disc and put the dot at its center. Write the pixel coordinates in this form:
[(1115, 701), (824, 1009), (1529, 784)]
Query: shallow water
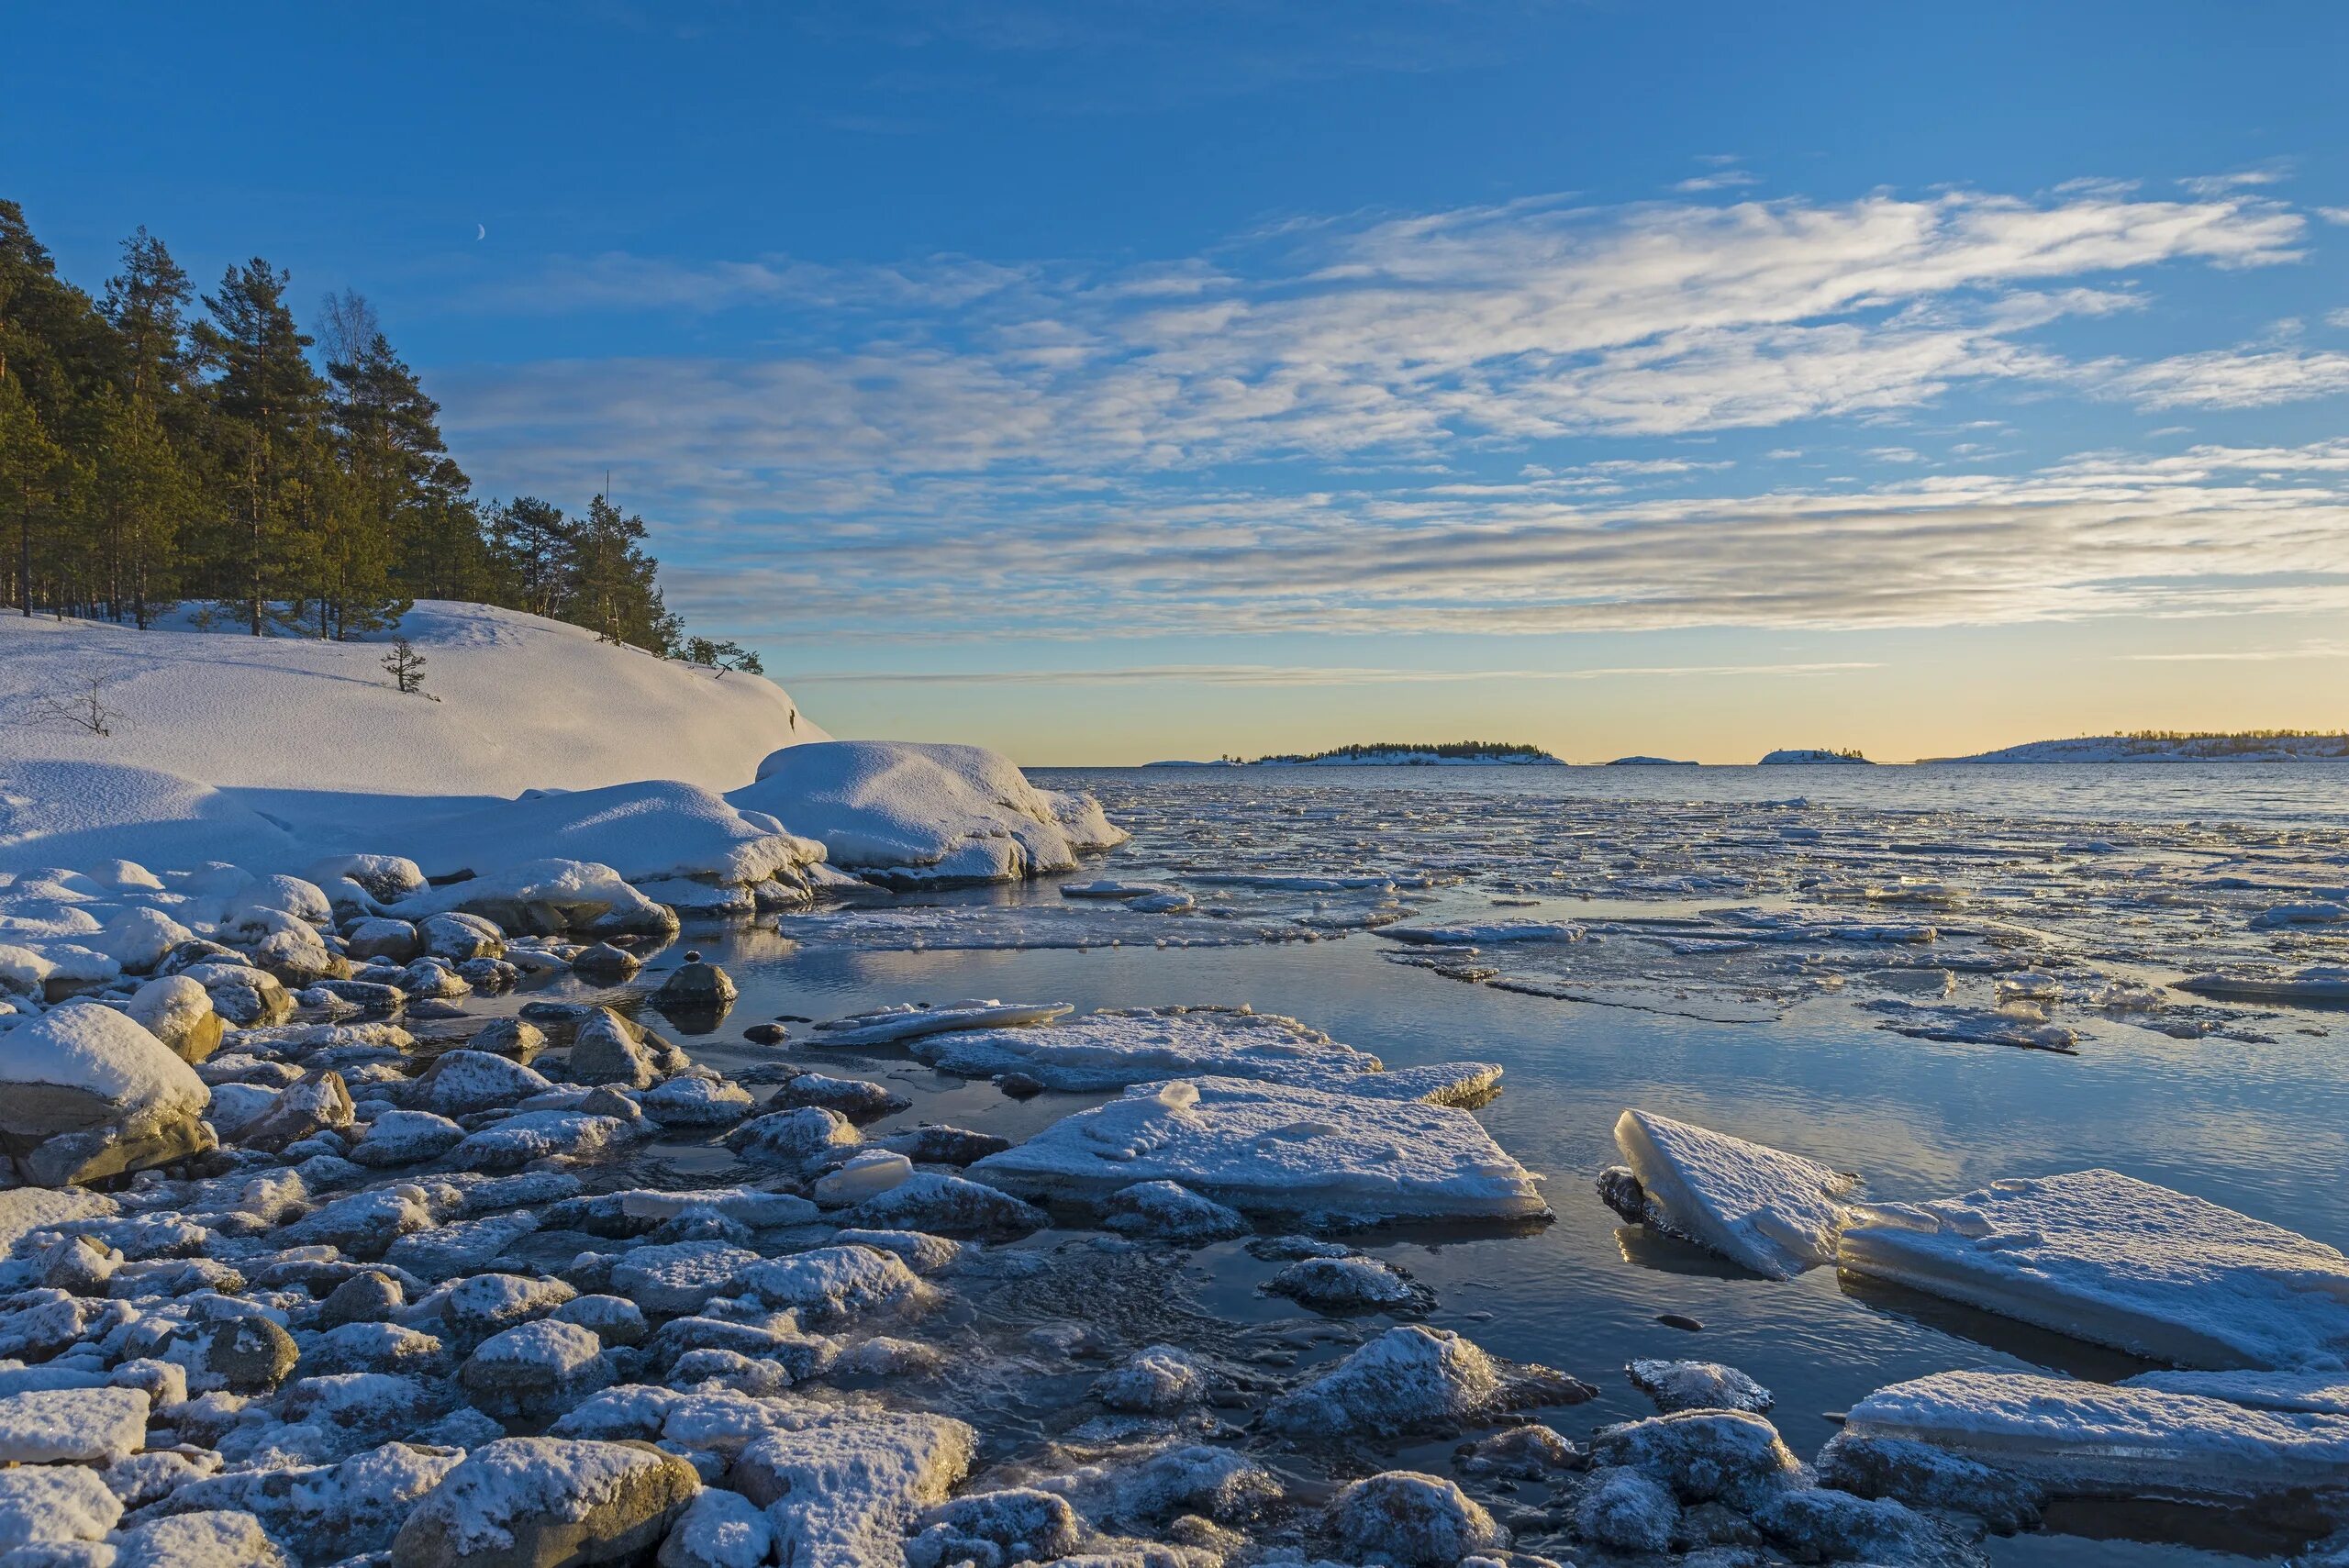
[(2100, 875)]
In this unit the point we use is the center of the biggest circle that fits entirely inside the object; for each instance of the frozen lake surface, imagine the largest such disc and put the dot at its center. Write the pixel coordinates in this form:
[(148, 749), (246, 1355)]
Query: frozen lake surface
[(1935, 977)]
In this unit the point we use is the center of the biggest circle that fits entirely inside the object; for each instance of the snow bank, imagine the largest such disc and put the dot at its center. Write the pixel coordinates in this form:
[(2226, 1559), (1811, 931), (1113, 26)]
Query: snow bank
[(2117, 1262), (926, 813), (1277, 1147), (2086, 1438), (645, 830), (1773, 1212), (247, 749)]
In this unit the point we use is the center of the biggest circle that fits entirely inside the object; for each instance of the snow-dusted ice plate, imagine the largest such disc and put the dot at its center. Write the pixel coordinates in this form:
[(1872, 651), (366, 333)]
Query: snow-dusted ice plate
[(1279, 1149), (2092, 1438), (1775, 1213), (2118, 1262)]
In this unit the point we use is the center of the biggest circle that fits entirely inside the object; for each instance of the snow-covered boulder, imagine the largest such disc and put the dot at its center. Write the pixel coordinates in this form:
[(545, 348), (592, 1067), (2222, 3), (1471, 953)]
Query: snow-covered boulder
[(546, 897), (528, 1502), (54, 1504), (1676, 1385), (79, 1426), (1408, 1379), (1775, 1213), (1277, 1147), (842, 1491), (86, 1092), (179, 1012), (645, 832), (2118, 1262), (912, 813), (1406, 1517)]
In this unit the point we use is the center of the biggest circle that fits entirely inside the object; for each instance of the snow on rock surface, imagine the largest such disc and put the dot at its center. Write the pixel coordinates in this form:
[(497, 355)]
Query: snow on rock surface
[(2090, 1438), (84, 1425), (842, 1490), (1274, 1147), (644, 830), (2118, 1262), (926, 813), (273, 751), (528, 1502), (1114, 1049), (1775, 1213), (87, 1092)]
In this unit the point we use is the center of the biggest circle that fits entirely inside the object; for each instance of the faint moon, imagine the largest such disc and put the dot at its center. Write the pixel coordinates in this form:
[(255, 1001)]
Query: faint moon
[(481, 231)]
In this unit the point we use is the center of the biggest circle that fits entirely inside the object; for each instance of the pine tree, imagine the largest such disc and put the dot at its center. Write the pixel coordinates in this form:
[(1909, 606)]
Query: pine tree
[(405, 664), (533, 543), (613, 589), (32, 467), (143, 492), (268, 399)]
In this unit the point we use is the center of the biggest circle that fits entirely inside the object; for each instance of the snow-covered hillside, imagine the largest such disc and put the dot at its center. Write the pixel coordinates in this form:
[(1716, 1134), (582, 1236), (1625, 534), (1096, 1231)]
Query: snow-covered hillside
[(2172, 748)]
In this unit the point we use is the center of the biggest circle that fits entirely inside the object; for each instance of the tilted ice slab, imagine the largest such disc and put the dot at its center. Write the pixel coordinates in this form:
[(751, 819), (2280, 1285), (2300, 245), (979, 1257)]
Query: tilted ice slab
[(889, 1025), (1773, 1212), (2089, 1438), (1276, 1147), (2118, 1262), (926, 813), (1111, 1050), (2311, 983), (1481, 935)]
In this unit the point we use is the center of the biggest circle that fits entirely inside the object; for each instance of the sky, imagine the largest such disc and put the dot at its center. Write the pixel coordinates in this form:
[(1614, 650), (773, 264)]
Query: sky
[(1109, 382)]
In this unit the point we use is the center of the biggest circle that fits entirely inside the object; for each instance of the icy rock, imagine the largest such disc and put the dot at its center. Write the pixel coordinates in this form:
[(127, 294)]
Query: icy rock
[(609, 1049), (143, 1478), (517, 1037), (380, 937), (841, 1493), (353, 1507), (1114, 1050), (1772, 1212), (697, 984), (2117, 1262), (139, 939), (458, 936), (890, 1026), (611, 1318), (1158, 1380), (1703, 1456), (406, 1138), (946, 1205), (934, 1144), (793, 1137), (27, 1209), (370, 1297), (543, 1135), (1627, 1510), (719, 1529), (1925, 1477), (1020, 1523), (2091, 1439), (1344, 1285), (1408, 1377), (923, 1253), (833, 1284), (1520, 1453), (1405, 1517), (692, 1101), (535, 1368), (247, 1355), (680, 1277), (853, 1097), (81, 1426), (1698, 1386), (540, 1502), (1813, 1525), (1276, 1147), (744, 1205), (315, 1103), (604, 964), (54, 1503), (460, 1083), (926, 813), (86, 1092), (481, 1305), (549, 897), (1193, 1478), (213, 1538), (1171, 1212), (178, 1011)]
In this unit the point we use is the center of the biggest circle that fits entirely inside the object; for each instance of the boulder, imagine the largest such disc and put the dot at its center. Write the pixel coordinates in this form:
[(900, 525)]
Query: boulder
[(381, 937), (317, 1102), (179, 1012), (548, 1503), (86, 1092), (1404, 1517), (458, 936), (605, 964)]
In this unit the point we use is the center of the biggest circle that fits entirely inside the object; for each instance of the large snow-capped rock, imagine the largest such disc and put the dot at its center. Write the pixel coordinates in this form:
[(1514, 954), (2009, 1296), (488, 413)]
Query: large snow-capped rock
[(1276, 1147), (86, 1092), (647, 830), (269, 750), (926, 813), (2118, 1262), (2091, 1439)]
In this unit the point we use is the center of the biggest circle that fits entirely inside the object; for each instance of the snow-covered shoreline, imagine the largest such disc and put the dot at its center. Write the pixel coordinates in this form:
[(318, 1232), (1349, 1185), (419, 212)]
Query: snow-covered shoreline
[(2148, 749)]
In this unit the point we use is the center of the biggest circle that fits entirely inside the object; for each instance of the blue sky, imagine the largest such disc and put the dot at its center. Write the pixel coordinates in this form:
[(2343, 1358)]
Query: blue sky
[(1106, 381)]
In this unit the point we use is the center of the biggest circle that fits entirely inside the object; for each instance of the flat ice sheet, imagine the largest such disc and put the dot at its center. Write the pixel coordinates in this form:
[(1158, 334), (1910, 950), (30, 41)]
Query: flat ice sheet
[(2092, 1437), (1276, 1147), (2117, 1262)]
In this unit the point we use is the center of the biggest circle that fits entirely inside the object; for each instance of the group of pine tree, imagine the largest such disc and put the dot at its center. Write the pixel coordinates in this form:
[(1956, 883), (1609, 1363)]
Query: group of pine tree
[(159, 446)]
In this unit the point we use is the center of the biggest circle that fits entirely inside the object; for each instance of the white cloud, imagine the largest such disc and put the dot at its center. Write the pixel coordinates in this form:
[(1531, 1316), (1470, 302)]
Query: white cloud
[(1305, 674), (2229, 378)]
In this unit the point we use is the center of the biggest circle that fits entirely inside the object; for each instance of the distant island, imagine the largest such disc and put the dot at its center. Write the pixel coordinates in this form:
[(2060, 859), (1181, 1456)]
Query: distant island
[(2177, 745), (1801, 754), (1393, 754), (1650, 762)]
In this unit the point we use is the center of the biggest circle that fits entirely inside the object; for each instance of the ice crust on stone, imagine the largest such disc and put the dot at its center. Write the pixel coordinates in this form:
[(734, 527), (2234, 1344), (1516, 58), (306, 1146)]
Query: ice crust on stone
[(2118, 1262), (1275, 1147), (1775, 1213), (890, 1026), (2093, 1437)]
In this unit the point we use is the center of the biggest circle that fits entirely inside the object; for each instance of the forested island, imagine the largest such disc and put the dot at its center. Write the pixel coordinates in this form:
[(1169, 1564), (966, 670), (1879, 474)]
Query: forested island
[(1394, 754)]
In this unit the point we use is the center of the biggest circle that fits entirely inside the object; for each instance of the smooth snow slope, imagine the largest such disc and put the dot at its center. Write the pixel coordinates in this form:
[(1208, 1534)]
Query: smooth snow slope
[(235, 747)]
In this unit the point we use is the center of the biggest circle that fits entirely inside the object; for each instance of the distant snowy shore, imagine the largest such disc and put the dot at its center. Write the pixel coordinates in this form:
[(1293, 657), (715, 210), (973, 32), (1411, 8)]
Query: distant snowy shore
[(2170, 748), (1391, 757), (1804, 756)]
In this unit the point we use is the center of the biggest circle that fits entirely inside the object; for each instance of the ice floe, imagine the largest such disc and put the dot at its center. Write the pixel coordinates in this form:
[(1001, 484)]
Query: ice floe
[(1775, 1213)]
